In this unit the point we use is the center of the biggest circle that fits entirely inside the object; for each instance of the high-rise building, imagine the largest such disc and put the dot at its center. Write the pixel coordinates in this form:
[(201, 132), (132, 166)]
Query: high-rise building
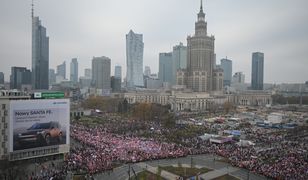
[(88, 73), (134, 59), (147, 71), (52, 76), (200, 59), (238, 78), (74, 70), (179, 60), (40, 54), (19, 76), (61, 70), (257, 71), (218, 75), (165, 67), (101, 67), (118, 72), (226, 65), (1, 78), (115, 84)]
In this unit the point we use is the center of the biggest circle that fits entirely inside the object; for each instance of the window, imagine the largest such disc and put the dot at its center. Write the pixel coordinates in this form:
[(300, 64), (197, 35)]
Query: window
[(5, 125), (5, 112), (3, 106)]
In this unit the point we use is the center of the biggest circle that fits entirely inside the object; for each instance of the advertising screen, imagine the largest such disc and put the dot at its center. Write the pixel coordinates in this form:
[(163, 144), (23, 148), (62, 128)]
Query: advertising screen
[(38, 123)]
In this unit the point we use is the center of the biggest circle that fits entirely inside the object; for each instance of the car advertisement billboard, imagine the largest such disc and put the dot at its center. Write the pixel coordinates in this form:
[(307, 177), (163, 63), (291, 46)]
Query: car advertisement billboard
[(39, 123)]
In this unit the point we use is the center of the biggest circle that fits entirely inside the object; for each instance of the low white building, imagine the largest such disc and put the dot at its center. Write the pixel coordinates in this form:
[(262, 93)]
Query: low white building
[(192, 101), (275, 118)]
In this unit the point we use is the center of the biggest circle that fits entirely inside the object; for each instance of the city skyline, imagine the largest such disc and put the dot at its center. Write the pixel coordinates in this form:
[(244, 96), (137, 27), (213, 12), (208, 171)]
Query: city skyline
[(278, 33)]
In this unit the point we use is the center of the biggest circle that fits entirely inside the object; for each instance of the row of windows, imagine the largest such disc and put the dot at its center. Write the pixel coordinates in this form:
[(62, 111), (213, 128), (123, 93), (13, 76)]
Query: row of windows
[(34, 153)]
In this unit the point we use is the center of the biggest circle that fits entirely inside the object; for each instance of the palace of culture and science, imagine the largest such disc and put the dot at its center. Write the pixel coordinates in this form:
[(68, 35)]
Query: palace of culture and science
[(200, 85), (201, 74)]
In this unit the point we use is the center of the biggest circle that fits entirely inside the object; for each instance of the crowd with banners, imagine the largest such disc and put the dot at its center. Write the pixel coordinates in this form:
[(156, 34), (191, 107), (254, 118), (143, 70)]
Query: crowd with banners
[(99, 150)]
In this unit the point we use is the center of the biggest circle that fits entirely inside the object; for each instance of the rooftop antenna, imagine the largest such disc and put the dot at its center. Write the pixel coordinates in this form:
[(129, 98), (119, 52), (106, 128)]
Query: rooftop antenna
[(32, 9)]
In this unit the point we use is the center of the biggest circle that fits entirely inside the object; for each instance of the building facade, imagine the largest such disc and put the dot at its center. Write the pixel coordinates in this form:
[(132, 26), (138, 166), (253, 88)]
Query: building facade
[(179, 60), (74, 70), (226, 65), (118, 72), (165, 67), (200, 58), (196, 101), (257, 71), (19, 76), (52, 76), (147, 71), (134, 59), (5, 97), (61, 70), (1, 78), (40, 55), (238, 78), (115, 84), (88, 73), (101, 67)]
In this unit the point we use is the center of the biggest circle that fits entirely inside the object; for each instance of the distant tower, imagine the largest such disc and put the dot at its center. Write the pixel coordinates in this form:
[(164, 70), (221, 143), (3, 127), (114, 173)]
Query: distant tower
[(226, 65), (257, 71), (40, 54), (134, 60), (101, 67), (179, 60), (118, 72), (147, 71), (165, 67), (74, 70)]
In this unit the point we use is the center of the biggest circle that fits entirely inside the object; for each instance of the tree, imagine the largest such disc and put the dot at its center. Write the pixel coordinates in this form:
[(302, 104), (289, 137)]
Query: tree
[(228, 106)]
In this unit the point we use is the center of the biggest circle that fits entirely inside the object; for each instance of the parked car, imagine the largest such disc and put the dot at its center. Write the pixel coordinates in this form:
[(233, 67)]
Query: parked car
[(41, 133)]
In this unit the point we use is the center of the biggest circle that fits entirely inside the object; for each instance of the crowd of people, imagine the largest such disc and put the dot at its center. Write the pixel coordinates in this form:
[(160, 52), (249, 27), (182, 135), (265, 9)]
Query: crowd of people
[(273, 156), (99, 150)]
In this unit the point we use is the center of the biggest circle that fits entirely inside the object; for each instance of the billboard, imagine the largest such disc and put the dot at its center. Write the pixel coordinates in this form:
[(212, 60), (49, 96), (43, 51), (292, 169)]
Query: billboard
[(39, 123)]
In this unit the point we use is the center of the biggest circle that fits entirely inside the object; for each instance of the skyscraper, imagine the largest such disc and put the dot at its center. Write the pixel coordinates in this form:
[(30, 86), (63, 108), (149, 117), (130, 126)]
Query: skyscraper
[(147, 71), (134, 59), (200, 58), (88, 73), (165, 67), (61, 70), (52, 76), (101, 67), (1, 78), (238, 78), (179, 60), (226, 65), (40, 54), (118, 72), (19, 76), (257, 71), (74, 70)]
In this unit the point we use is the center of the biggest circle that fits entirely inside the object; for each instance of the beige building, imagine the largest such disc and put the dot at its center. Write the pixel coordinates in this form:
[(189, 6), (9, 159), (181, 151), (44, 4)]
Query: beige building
[(201, 75), (193, 101)]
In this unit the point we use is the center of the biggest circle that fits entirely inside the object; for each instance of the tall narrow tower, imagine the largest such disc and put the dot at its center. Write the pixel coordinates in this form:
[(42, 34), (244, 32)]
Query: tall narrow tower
[(40, 54)]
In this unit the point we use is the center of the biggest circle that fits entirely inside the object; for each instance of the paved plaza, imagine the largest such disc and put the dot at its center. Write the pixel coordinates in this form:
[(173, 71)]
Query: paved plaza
[(199, 161)]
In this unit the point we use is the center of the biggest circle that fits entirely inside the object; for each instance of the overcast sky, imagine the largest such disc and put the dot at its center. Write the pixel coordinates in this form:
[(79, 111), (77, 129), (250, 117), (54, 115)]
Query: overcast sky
[(87, 28)]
